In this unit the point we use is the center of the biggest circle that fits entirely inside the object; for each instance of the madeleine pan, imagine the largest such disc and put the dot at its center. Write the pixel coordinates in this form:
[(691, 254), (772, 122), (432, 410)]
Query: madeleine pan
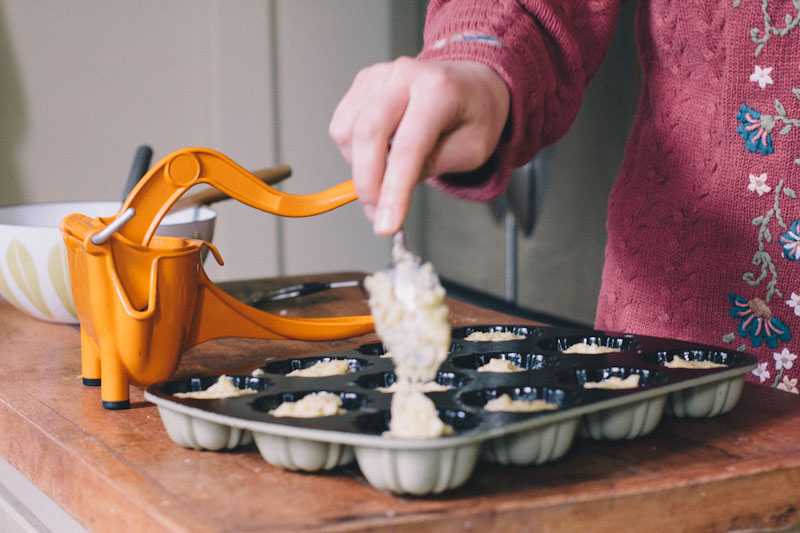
[(430, 466)]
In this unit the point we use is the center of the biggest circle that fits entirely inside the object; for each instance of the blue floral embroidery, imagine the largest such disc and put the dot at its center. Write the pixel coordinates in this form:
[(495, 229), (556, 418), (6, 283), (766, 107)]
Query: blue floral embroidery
[(757, 323), (755, 130), (790, 241)]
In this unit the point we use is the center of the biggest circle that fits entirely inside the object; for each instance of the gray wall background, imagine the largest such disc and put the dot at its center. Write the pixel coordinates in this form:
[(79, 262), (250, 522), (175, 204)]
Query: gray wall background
[(84, 82)]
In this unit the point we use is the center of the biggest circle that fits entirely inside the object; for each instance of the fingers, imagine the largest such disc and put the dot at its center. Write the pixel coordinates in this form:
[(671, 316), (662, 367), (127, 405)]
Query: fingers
[(439, 117), (351, 105), (378, 110), (376, 125), (363, 124), (426, 117)]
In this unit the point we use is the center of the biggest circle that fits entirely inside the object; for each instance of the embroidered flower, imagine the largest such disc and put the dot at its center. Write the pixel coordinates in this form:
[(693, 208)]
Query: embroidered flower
[(783, 360), (755, 129), (759, 184), (761, 372), (790, 241), (789, 385), (757, 323), (794, 303), (762, 76)]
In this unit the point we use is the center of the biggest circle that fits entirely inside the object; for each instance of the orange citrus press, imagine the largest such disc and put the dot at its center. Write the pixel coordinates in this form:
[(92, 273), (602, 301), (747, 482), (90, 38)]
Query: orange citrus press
[(143, 300)]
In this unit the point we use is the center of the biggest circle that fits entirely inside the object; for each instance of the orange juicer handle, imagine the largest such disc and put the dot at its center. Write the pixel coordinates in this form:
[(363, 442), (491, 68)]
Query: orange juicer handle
[(219, 315), (161, 187)]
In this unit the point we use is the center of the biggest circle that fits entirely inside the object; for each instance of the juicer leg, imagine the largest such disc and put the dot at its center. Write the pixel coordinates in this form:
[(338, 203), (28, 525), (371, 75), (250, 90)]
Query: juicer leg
[(114, 388), (90, 360)]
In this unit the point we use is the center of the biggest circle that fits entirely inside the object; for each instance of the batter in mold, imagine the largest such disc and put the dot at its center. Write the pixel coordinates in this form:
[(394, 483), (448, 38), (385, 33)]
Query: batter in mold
[(493, 336), (223, 388), (322, 369), (614, 382), (411, 318), (506, 404), (428, 386), (314, 405), (679, 362), (499, 365), (414, 416), (583, 347)]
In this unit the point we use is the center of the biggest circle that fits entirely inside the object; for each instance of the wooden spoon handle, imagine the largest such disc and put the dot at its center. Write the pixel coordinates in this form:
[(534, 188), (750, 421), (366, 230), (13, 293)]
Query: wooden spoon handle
[(270, 176)]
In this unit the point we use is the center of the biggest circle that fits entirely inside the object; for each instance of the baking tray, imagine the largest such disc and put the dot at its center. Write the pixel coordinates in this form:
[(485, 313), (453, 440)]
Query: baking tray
[(427, 466)]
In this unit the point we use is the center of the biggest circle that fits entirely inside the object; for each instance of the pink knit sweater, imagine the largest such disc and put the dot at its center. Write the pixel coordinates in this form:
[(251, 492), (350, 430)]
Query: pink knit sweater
[(703, 221)]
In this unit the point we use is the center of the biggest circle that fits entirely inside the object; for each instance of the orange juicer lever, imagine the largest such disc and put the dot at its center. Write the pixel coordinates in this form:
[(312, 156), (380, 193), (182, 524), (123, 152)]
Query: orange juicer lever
[(143, 300)]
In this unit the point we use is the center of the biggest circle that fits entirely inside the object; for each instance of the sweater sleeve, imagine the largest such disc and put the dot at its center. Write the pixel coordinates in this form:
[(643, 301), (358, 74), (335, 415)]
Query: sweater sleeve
[(545, 51)]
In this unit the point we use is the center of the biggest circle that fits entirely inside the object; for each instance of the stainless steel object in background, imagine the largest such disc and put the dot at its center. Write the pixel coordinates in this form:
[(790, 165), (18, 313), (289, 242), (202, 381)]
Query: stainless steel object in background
[(518, 208), (302, 289)]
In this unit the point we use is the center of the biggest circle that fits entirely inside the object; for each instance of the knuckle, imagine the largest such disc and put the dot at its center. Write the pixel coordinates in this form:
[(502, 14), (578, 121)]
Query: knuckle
[(364, 74), (404, 64), (372, 72), (338, 132), (368, 127), (404, 150), (438, 82), (366, 190)]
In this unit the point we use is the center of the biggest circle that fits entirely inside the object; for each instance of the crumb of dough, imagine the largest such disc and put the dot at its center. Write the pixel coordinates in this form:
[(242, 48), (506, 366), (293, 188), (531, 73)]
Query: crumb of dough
[(314, 405), (258, 372), (428, 386), (583, 347), (679, 362), (387, 355), (499, 365), (223, 388), (414, 416), (494, 336), (505, 403), (336, 367), (614, 382)]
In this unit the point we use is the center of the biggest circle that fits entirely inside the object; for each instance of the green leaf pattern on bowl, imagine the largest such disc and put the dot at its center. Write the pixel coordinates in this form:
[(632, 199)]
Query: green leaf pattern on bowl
[(6, 291), (58, 270), (23, 270)]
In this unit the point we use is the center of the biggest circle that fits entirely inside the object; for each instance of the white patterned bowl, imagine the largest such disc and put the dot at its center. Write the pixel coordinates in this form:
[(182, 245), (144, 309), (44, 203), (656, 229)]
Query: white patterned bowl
[(34, 276)]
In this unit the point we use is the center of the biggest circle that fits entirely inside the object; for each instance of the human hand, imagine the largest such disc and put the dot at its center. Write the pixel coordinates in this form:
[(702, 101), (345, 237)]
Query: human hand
[(438, 116)]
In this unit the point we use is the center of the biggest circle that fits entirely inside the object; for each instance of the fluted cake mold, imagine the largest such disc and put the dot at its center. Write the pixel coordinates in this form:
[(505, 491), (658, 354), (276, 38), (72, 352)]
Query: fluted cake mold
[(430, 466)]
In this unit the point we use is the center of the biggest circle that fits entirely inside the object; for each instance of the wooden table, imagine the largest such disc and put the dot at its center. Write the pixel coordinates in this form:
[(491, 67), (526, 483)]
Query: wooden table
[(119, 471)]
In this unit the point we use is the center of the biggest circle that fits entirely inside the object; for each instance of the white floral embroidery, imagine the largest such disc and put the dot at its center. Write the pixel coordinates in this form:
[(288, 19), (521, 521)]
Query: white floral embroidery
[(759, 184), (761, 372), (789, 385), (794, 303), (762, 76), (784, 359)]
